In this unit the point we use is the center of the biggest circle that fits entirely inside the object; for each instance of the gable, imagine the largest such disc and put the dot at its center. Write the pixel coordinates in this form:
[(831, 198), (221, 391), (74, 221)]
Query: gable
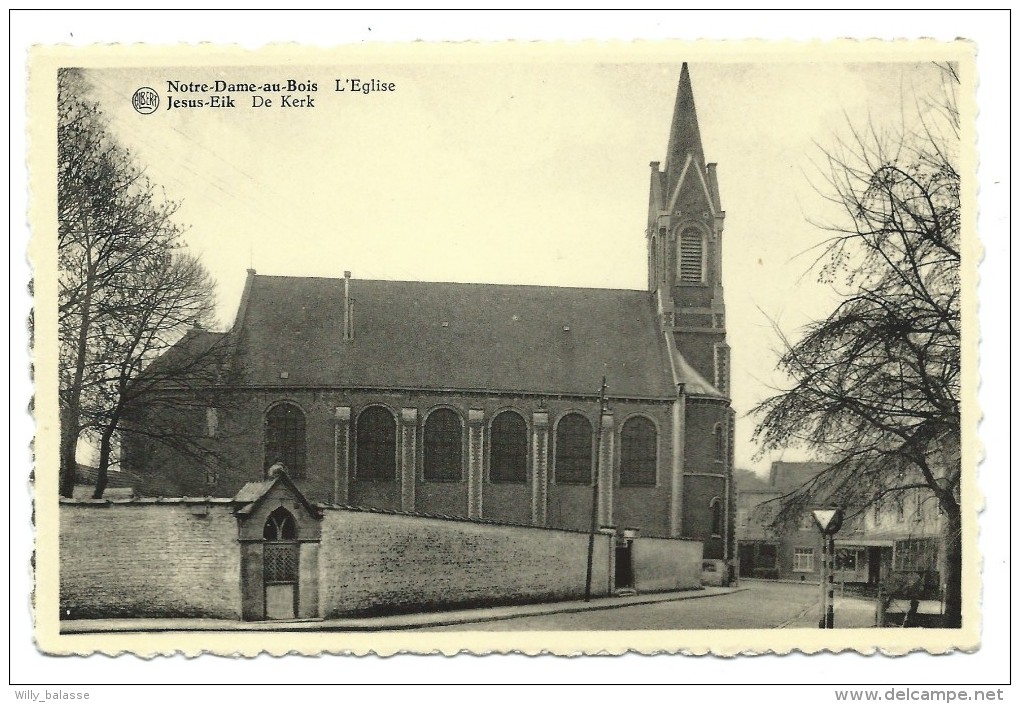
[(691, 193), (259, 499)]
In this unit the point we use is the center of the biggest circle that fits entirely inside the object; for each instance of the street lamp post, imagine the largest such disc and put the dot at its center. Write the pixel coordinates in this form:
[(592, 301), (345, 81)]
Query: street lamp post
[(829, 521)]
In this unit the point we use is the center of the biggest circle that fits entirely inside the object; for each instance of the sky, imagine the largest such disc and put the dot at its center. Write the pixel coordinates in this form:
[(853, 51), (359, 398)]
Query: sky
[(810, 675), (516, 171), (520, 170)]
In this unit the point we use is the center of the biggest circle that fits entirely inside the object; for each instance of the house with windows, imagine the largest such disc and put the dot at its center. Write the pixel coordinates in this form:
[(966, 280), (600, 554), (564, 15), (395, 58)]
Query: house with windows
[(481, 401), (757, 544), (901, 541), (890, 542), (791, 551)]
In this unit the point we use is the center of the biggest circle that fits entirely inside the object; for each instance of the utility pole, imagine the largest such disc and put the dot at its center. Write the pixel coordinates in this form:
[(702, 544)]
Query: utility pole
[(831, 574), (595, 493)]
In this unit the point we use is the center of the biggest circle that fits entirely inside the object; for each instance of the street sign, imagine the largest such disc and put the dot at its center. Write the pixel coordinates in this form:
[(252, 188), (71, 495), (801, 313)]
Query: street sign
[(829, 520)]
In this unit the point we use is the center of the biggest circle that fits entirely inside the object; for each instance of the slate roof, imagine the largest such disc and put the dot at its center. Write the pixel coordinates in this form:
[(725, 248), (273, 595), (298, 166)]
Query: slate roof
[(747, 481), (253, 492), (85, 475), (811, 482), (446, 336), (684, 133), (193, 359), (694, 383), (791, 475)]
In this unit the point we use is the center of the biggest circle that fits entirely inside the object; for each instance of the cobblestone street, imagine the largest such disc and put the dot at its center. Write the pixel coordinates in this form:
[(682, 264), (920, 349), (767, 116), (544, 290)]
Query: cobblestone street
[(760, 605)]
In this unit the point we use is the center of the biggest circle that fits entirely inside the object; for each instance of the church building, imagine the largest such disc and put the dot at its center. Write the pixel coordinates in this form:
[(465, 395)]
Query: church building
[(481, 401)]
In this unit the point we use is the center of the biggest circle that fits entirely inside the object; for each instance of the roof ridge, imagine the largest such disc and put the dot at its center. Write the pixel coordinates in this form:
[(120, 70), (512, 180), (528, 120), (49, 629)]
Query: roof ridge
[(452, 283)]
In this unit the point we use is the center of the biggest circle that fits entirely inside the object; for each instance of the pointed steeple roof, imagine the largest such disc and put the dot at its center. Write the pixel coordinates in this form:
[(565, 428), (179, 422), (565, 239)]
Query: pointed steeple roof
[(684, 135)]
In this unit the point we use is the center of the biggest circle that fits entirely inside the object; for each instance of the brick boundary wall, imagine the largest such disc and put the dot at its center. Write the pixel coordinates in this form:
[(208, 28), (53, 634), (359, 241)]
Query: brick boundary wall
[(166, 560), (664, 564), (375, 563), (182, 558)]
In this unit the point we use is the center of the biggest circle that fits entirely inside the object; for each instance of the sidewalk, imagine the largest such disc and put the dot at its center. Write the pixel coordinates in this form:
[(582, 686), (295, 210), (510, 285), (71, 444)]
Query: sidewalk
[(855, 612), (384, 623), (848, 612)]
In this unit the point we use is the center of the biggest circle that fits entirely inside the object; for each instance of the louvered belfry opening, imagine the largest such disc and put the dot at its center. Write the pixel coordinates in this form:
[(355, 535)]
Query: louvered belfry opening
[(692, 255)]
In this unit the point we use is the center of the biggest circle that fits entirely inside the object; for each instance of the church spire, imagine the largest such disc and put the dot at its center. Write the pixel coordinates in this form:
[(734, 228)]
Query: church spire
[(684, 135), (684, 238)]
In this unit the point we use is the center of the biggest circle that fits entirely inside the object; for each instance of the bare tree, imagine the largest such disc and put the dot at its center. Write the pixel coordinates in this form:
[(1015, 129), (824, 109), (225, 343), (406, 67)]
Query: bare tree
[(876, 385), (127, 290), (154, 309)]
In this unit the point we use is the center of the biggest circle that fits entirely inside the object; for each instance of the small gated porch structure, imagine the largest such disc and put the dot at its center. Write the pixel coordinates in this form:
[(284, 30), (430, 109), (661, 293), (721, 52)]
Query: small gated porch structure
[(280, 533)]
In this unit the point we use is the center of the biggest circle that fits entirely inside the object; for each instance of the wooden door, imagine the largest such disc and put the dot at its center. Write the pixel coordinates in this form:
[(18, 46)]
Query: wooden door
[(624, 566)]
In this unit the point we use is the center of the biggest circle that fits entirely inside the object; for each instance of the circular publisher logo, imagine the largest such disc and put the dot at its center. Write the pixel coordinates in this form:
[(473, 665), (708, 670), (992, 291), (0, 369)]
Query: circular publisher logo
[(145, 100)]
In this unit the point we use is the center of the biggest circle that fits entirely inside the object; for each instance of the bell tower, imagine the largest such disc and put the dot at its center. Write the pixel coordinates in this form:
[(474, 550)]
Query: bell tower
[(684, 238)]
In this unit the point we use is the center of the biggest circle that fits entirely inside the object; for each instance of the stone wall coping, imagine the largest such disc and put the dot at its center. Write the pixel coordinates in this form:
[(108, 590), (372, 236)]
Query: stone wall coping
[(198, 500), (443, 517), (188, 500), (149, 500), (643, 538)]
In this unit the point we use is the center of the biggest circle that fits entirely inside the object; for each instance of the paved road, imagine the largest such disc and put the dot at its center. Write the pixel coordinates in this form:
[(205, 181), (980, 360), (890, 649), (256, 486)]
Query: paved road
[(761, 605)]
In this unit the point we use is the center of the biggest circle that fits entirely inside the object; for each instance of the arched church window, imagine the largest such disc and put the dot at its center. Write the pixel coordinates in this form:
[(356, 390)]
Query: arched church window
[(508, 448), (443, 446), (376, 442), (653, 259), (719, 443), (280, 526), (573, 450), (717, 515), (637, 452), (692, 256), (285, 438)]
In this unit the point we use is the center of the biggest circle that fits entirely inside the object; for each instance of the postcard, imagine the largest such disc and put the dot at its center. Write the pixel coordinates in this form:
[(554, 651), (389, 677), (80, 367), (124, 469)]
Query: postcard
[(543, 348)]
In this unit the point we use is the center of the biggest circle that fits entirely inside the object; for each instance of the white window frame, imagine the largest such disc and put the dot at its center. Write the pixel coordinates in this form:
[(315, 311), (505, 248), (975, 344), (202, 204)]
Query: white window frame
[(802, 555), (212, 422)]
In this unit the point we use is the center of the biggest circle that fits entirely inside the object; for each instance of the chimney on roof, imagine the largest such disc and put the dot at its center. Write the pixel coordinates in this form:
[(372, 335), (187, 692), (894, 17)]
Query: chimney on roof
[(348, 308)]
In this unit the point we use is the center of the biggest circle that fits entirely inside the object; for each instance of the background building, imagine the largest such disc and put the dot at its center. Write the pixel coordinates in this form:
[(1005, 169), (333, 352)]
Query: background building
[(901, 544), (791, 550), (893, 543), (757, 543)]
